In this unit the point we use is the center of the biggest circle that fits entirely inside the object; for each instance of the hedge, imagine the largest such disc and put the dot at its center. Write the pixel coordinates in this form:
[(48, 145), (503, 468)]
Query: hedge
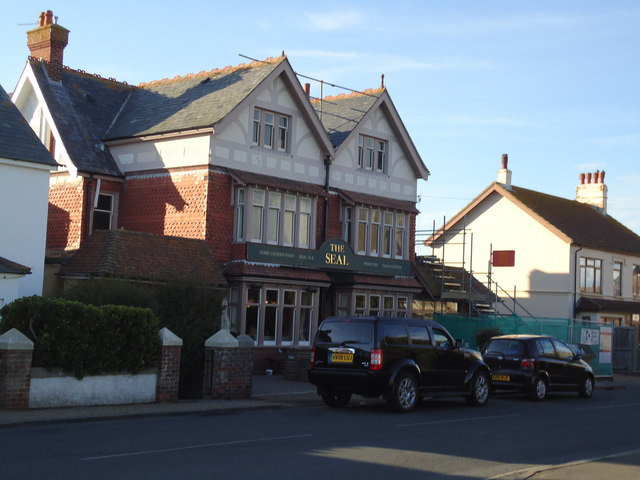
[(85, 339)]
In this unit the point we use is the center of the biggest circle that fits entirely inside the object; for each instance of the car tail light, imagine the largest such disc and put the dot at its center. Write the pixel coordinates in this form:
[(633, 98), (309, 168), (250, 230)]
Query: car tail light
[(312, 360), (376, 359), (527, 362)]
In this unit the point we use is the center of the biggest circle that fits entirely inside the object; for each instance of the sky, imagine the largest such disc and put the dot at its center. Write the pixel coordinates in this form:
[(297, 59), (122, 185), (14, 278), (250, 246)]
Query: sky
[(553, 84)]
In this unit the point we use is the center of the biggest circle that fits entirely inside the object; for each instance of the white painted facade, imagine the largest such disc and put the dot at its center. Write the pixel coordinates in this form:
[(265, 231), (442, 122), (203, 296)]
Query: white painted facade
[(543, 279), (24, 188)]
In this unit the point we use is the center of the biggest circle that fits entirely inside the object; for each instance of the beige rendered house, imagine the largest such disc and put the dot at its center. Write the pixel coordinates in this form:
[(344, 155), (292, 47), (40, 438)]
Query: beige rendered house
[(559, 258)]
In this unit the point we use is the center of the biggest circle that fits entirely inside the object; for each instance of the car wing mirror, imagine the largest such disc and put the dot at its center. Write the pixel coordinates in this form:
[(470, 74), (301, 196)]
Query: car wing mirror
[(459, 343)]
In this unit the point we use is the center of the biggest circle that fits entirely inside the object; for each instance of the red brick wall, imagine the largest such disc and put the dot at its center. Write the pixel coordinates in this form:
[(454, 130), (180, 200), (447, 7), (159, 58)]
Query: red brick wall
[(335, 225), (169, 374), (220, 213), (66, 210), (15, 378), (165, 204)]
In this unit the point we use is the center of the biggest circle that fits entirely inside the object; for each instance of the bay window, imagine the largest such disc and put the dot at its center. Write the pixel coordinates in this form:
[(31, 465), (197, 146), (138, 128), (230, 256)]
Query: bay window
[(377, 233), (274, 218)]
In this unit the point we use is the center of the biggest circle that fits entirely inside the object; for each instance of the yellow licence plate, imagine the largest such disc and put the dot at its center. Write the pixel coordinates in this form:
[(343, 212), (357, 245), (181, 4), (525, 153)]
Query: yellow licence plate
[(501, 378), (342, 358)]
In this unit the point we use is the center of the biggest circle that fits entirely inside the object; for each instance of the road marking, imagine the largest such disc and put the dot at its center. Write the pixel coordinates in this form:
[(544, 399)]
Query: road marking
[(457, 420), (531, 471), (621, 405), (193, 447)]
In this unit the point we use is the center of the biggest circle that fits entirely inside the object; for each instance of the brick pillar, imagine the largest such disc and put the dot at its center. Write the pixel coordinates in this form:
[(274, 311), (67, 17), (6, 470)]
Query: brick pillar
[(169, 372), (229, 367), (16, 354)]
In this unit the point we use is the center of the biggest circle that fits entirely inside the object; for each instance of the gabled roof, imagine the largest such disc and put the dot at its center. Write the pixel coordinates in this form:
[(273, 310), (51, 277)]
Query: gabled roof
[(82, 107), (189, 102), (572, 221), (17, 140), (342, 114), (144, 257), (13, 268)]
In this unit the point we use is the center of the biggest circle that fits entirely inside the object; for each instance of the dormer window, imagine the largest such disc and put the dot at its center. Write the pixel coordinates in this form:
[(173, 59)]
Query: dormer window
[(270, 130), (372, 154)]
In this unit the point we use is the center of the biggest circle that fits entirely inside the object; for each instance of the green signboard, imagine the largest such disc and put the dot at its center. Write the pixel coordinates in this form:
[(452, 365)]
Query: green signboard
[(332, 255)]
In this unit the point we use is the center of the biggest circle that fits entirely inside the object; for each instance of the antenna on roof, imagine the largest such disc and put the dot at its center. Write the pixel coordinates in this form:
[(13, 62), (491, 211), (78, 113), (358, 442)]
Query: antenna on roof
[(253, 59), (382, 81), (26, 24)]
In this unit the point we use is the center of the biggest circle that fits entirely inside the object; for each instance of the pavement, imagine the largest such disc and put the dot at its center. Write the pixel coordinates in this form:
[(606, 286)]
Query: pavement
[(273, 391)]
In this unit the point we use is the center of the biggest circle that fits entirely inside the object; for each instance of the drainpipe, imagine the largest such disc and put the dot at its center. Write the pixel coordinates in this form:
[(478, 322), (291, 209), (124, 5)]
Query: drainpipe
[(575, 279), (327, 163), (91, 188)]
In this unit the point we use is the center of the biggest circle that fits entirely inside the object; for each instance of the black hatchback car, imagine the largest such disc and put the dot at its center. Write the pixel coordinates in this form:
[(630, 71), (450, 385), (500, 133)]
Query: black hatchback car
[(402, 359), (536, 364)]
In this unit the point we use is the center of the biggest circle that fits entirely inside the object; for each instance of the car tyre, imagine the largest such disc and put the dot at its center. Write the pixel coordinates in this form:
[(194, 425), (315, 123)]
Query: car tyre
[(404, 395), (538, 389), (586, 387), (336, 398), (479, 389)]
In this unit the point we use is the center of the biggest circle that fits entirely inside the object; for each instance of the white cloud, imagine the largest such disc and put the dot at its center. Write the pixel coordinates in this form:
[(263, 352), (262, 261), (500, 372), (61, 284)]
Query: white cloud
[(631, 140), (484, 25)]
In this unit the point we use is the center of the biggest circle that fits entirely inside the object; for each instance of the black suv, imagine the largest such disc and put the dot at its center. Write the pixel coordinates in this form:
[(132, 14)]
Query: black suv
[(402, 359), (535, 364)]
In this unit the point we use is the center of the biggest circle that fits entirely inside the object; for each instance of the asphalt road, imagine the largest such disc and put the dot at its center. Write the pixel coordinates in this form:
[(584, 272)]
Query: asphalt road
[(509, 438)]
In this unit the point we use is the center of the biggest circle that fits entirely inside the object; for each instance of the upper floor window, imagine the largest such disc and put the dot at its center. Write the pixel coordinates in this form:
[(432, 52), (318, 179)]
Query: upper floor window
[(372, 154), (636, 280), (270, 130), (376, 232), (275, 218), (590, 275), (617, 279), (103, 212)]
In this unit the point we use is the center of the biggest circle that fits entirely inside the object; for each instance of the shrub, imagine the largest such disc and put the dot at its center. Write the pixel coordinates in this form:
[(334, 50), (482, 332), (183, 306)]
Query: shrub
[(84, 339)]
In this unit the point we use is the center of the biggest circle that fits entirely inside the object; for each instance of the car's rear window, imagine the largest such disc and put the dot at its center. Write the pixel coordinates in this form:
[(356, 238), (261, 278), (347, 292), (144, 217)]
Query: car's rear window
[(346, 332), (506, 346)]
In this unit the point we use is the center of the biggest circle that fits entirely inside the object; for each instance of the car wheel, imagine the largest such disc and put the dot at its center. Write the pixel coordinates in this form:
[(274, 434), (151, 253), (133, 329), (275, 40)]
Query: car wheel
[(336, 399), (404, 392), (538, 389), (479, 392), (586, 387)]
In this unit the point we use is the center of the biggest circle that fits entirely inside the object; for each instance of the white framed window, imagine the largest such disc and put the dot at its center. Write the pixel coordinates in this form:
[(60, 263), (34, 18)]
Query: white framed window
[(278, 314), (270, 130), (378, 233), (617, 279), (635, 280), (372, 154), (372, 304), (590, 275), (103, 212), (274, 218)]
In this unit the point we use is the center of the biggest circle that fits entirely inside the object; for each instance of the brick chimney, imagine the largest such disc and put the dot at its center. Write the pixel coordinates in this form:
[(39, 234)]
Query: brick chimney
[(47, 42), (592, 190), (504, 174)]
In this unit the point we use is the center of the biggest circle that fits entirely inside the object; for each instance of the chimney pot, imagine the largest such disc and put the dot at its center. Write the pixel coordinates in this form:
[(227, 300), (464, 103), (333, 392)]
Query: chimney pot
[(307, 89), (582, 178), (505, 161), (589, 177), (47, 42), (48, 17), (602, 176)]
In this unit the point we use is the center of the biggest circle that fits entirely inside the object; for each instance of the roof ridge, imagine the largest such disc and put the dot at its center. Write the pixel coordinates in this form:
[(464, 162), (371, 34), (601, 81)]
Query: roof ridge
[(343, 96), (83, 72), (215, 71)]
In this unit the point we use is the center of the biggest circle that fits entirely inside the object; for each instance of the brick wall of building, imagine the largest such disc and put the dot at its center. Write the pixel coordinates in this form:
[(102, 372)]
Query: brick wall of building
[(167, 203), (220, 214), (66, 210)]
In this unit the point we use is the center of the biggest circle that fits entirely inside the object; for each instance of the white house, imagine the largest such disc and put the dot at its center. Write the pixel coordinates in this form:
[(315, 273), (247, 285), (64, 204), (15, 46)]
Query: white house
[(25, 165), (561, 258)]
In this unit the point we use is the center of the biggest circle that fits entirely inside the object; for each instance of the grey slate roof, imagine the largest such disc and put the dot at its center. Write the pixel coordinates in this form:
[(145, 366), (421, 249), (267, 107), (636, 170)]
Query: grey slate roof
[(17, 140), (190, 102), (582, 223), (83, 107), (7, 266), (340, 114)]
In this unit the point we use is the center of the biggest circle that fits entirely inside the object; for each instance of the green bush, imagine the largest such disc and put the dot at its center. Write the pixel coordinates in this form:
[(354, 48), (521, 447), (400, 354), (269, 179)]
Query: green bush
[(483, 335), (84, 339)]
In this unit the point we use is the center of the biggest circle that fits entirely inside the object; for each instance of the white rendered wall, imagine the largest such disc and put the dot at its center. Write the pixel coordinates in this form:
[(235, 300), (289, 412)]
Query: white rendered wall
[(49, 391), (24, 190)]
